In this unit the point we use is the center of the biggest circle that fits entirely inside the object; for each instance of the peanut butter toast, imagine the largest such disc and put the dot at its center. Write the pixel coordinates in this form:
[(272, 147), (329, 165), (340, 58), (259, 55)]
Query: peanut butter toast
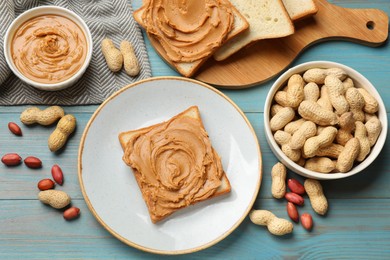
[(174, 164), (187, 33)]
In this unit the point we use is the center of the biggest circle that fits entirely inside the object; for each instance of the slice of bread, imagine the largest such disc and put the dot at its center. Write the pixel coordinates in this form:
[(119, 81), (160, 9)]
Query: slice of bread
[(155, 192), (267, 19), (188, 69), (299, 9)]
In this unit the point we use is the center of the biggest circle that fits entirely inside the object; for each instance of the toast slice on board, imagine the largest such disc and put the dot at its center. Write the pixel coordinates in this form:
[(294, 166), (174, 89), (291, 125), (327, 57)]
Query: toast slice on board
[(299, 9), (267, 19)]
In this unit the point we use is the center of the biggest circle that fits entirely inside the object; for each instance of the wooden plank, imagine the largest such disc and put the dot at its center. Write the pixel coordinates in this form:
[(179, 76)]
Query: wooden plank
[(34, 231), (20, 182), (371, 183)]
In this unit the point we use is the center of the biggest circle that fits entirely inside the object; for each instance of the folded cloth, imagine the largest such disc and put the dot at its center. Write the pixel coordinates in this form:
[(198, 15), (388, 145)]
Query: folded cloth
[(7, 16), (105, 18)]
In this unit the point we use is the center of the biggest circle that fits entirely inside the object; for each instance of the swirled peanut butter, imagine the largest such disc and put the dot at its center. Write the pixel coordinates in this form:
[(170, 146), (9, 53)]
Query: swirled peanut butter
[(49, 48), (174, 164), (188, 30)]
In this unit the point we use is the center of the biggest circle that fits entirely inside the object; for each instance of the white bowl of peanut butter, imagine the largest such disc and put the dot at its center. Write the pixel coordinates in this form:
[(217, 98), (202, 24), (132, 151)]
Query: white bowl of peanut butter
[(48, 47)]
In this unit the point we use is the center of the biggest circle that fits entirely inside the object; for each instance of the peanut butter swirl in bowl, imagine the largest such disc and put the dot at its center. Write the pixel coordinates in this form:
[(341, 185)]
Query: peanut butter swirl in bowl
[(49, 48)]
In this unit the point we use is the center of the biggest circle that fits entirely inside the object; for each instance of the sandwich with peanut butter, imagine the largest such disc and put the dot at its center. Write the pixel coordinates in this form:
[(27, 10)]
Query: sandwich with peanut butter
[(174, 164), (187, 33)]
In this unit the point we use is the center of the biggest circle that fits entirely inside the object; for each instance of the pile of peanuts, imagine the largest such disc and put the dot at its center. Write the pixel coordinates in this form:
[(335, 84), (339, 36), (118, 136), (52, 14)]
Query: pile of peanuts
[(323, 122), (65, 126), (294, 197)]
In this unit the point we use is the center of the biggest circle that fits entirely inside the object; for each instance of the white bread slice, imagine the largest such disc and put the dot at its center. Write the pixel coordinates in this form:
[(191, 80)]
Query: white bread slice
[(299, 9), (125, 138), (188, 69), (267, 19)]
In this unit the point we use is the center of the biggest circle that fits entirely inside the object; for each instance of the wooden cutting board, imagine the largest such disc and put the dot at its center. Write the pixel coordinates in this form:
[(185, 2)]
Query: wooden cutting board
[(267, 58)]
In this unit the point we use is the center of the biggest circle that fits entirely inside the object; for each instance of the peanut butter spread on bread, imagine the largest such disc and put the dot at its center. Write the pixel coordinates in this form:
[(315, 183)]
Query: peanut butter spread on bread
[(175, 165), (188, 30)]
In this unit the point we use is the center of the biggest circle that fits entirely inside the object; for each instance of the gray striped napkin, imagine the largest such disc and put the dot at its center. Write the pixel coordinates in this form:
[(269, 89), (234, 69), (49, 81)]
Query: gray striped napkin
[(105, 18)]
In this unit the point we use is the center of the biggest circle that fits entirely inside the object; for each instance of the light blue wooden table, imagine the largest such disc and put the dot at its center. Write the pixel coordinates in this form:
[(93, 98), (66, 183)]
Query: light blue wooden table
[(357, 225)]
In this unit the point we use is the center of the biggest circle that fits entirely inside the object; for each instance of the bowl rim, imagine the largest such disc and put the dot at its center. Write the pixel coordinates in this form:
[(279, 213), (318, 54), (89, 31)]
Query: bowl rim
[(359, 80), (42, 10)]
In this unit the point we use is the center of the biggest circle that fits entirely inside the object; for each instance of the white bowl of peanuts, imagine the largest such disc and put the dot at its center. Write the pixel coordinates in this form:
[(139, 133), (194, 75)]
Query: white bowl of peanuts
[(325, 120)]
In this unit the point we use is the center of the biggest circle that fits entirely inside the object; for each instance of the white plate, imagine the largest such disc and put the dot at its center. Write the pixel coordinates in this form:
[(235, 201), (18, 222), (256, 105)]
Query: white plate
[(110, 189)]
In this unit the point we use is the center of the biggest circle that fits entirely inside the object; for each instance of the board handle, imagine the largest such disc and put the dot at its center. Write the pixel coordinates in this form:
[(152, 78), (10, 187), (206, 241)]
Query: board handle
[(365, 26)]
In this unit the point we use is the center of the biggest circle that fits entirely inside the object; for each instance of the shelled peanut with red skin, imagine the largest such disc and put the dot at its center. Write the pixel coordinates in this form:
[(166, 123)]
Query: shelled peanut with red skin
[(57, 174), (71, 213), (33, 162), (295, 186), (15, 128), (292, 211), (46, 184), (294, 198), (11, 159), (307, 221)]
